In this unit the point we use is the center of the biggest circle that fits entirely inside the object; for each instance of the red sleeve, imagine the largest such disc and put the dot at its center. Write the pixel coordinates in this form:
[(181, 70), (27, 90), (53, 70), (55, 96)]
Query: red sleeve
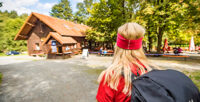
[(105, 93)]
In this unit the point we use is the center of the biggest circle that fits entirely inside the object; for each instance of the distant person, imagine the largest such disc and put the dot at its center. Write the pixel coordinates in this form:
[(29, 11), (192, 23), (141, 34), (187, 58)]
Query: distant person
[(105, 51), (101, 51), (115, 81), (196, 48), (175, 50), (145, 49), (168, 49), (179, 50)]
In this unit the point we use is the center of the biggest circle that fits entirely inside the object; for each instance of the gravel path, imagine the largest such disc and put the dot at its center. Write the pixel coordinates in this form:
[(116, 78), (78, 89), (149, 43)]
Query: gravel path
[(48, 81), (4, 60), (70, 80)]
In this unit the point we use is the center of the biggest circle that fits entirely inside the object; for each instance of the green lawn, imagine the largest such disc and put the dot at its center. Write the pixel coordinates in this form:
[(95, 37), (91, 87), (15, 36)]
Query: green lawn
[(2, 54), (195, 76), (1, 76)]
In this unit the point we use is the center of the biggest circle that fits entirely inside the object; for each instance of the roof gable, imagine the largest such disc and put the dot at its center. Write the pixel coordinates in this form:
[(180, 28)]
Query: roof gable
[(62, 40), (60, 26)]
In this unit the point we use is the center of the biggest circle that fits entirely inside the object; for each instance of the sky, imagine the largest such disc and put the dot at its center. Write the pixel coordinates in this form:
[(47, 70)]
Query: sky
[(28, 6)]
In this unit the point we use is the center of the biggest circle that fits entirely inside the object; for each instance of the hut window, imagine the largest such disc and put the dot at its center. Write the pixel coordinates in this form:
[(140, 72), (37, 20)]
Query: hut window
[(82, 44), (74, 45), (37, 46), (67, 48), (42, 39)]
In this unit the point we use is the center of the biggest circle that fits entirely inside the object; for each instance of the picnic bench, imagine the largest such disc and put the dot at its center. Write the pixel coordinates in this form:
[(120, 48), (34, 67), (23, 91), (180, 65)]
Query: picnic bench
[(108, 54), (169, 55)]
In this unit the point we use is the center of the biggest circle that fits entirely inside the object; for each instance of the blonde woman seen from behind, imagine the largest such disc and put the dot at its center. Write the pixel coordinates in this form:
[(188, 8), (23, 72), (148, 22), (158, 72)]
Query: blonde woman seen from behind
[(129, 58)]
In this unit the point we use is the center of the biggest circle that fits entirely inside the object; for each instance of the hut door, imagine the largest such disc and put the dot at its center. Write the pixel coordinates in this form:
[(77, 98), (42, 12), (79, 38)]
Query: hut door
[(59, 49)]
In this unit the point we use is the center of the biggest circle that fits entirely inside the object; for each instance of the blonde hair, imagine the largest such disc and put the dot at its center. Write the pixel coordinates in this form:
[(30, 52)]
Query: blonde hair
[(124, 59)]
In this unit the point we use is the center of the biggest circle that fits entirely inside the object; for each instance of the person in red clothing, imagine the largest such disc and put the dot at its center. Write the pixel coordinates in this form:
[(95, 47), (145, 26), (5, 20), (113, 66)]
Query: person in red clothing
[(115, 81)]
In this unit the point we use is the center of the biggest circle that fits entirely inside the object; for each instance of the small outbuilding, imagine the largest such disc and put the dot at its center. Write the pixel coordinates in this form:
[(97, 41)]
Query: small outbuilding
[(55, 37)]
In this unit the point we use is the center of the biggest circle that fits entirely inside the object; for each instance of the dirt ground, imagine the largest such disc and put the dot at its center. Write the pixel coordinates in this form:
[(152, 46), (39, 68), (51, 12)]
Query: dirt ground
[(27, 79)]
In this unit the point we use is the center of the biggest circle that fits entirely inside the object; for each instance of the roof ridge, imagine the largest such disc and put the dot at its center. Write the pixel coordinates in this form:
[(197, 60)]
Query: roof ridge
[(56, 24)]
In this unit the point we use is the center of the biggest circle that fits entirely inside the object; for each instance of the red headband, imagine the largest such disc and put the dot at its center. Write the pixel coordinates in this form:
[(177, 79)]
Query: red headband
[(128, 44)]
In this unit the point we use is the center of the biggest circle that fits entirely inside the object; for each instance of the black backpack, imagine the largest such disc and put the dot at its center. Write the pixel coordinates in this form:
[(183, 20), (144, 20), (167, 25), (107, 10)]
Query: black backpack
[(164, 86)]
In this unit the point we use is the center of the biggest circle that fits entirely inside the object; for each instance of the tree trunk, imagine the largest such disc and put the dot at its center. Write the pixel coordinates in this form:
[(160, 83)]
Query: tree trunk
[(90, 45), (123, 8), (150, 41), (159, 44), (112, 46)]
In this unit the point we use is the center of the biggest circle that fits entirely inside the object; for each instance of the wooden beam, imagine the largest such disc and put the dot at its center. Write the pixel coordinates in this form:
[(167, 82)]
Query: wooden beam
[(23, 36), (30, 24)]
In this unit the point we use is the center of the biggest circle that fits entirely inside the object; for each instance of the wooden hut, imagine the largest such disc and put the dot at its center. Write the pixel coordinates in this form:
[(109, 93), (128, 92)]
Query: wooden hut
[(55, 37)]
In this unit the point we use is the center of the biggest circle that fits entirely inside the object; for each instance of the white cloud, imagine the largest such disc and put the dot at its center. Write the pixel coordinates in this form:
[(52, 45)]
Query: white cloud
[(26, 6), (25, 2), (73, 4), (45, 6), (18, 5), (78, 0)]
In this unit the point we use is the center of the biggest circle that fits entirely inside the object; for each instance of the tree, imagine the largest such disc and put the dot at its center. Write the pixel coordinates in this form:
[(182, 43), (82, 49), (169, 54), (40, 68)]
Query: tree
[(107, 15), (8, 29), (1, 4), (62, 10), (13, 14), (95, 36), (162, 17), (82, 14), (24, 16)]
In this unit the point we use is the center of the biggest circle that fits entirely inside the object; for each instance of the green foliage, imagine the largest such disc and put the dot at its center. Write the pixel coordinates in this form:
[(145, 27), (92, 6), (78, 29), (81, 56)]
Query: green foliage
[(82, 14), (107, 16), (1, 4), (163, 18), (9, 26), (176, 20), (62, 10), (2, 54), (13, 14), (95, 36)]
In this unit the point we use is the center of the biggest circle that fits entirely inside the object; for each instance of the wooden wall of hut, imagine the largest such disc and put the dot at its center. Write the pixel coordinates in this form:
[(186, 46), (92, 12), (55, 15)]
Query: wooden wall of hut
[(80, 41), (37, 36)]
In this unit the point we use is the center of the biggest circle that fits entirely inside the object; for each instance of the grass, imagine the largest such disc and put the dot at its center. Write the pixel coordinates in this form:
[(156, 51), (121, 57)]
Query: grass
[(1, 76), (195, 77), (94, 71), (3, 54)]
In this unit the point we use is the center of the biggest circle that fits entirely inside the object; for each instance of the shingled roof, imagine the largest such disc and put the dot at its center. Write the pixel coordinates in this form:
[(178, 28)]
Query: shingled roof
[(62, 40), (62, 27)]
